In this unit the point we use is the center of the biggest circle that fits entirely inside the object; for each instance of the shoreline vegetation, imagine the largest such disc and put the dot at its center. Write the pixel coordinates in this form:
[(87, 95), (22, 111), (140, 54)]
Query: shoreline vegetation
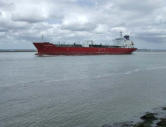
[(34, 50), (157, 118)]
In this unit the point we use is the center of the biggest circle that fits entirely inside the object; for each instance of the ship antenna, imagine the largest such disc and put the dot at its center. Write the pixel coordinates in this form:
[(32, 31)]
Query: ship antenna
[(121, 34)]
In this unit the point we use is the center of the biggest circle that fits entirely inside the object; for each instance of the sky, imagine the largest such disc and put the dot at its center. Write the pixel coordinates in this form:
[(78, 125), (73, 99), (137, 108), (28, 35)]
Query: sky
[(25, 21)]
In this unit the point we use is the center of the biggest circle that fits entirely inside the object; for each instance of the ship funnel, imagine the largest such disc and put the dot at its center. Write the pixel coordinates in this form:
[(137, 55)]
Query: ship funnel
[(127, 37)]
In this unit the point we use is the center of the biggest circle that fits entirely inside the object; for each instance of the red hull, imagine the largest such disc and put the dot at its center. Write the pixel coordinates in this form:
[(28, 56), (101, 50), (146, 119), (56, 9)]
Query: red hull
[(46, 48)]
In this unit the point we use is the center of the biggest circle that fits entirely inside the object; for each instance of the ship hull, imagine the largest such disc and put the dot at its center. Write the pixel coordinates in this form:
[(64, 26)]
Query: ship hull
[(46, 48)]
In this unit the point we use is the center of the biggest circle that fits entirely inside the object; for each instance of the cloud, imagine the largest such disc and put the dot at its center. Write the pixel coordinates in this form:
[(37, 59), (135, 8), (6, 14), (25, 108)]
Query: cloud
[(79, 20), (101, 29)]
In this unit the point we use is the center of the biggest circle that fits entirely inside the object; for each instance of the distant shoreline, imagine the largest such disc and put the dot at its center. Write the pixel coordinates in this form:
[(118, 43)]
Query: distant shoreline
[(151, 50), (33, 50), (18, 50)]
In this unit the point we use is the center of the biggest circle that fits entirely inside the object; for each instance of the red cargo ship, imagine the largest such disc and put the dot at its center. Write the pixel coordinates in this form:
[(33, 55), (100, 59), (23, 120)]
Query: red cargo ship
[(124, 46)]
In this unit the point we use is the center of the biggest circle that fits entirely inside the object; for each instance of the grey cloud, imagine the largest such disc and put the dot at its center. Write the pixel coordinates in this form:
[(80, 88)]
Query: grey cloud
[(3, 30), (32, 19), (147, 6), (101, 20), (79, 27), (6, 5), (153, 37)]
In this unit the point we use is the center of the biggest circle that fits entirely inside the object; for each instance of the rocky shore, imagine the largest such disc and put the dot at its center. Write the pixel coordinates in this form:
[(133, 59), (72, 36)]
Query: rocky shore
[(157, 118)]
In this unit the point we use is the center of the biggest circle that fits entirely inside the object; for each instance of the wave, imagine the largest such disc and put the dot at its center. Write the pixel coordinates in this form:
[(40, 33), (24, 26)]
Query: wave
[(132, 71), (156, 68), (82, 77)]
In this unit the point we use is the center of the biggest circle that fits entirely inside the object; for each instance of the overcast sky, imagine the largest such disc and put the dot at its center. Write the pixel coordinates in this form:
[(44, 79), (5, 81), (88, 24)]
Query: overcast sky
[(25, 21)]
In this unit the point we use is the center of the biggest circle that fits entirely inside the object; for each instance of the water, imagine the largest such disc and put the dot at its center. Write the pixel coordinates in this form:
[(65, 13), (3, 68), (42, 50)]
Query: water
[(79, 91)]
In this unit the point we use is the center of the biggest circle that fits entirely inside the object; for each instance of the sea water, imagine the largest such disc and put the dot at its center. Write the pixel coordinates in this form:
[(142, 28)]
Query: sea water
[(79, 91)]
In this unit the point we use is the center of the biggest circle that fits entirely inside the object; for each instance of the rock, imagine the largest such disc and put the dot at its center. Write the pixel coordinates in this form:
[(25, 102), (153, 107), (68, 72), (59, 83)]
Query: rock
[(121, 124), (164, 108), (162, 122), (107, 125), (143, 124), (149, 117)]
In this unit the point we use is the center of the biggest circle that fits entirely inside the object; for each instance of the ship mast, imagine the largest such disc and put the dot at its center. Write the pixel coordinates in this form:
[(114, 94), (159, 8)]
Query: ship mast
[(121, 34)]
